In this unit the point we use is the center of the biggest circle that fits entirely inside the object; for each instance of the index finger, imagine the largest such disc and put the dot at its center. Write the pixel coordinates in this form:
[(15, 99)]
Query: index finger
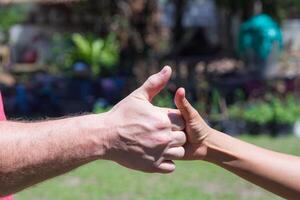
[(176, 119)]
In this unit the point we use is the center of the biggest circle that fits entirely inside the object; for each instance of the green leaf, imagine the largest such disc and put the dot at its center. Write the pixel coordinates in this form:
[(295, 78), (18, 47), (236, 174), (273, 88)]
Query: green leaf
[(83, 46), (96, 52)]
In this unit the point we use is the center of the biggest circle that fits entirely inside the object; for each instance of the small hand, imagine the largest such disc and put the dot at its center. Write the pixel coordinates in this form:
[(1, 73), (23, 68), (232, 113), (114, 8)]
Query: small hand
[(196, 128), (145, 137)]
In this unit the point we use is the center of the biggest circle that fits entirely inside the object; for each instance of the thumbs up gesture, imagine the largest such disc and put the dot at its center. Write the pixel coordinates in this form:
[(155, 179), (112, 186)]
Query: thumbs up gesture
[(145, 137), (196, 128)]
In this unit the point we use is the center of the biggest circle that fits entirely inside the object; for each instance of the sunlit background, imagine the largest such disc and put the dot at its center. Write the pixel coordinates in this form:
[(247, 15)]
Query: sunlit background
[(238, 60)]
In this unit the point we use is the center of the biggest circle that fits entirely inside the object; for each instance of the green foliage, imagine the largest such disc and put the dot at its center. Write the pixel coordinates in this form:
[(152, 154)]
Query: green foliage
[(100, 109), (199, 106), (239, 95), (279, 111), (98, 53), (61, 52), (287, 111), (164, 100), (110, 52), (292, 103), (236, 111), (216, 96), (260, 113), (255, 112), (11, 15)]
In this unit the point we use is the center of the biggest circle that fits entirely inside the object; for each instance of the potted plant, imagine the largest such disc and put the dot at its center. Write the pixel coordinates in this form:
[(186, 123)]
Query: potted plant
[(258, 116), (100, 54), (254, 116), (235, 125), (286, 114)]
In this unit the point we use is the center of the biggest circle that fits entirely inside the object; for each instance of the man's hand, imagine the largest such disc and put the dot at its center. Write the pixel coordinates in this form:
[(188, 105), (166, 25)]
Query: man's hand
[(134, 133), (196, 128), (144, 137)]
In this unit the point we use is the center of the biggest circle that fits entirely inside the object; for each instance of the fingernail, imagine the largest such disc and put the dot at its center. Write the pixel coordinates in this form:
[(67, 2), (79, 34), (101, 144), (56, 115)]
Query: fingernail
[(164, 70)]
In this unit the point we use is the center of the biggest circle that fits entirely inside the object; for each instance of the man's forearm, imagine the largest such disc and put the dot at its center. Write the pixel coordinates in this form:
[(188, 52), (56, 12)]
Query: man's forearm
[(33, 152), (134, 134), (276, 172)]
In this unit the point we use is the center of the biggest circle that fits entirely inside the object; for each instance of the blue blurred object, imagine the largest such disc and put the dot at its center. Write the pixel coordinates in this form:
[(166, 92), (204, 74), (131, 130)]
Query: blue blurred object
[(259, 34), (112, 88), (80, 67), (22, 99)]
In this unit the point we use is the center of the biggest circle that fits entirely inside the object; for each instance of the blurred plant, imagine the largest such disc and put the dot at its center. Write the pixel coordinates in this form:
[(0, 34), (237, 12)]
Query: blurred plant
[(61, 52), (276, 111), (260, 113), (216, 96), (255, 112), (215, 112), (11, 15), (236, 111), (98, 109), (292, 104), (164, 100), (99, 53), (239, 96), (286, 111), (101, 106), (200, 106)]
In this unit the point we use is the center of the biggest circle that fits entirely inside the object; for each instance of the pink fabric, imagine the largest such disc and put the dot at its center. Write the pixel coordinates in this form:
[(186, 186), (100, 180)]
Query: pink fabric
[(2, 113), (2, 117), (7, 198)]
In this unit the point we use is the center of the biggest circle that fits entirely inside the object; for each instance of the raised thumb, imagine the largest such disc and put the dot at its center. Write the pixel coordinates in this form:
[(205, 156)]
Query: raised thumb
[(154, 84), (186, 109)]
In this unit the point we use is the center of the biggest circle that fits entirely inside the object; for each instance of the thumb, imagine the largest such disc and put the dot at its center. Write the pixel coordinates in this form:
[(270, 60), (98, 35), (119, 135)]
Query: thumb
[(154, 84), (188, 112)]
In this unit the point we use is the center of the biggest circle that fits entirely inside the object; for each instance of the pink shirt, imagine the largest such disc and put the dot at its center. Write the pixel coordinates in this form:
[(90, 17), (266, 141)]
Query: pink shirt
[(2, 117)]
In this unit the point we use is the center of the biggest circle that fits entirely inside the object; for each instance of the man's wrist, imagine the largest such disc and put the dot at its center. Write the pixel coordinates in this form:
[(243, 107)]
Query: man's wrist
[(99, 135)]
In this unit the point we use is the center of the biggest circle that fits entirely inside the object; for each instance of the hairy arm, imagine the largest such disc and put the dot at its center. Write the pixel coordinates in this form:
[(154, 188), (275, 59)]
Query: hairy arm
[(134, 134), (33, 152), (276, 172)]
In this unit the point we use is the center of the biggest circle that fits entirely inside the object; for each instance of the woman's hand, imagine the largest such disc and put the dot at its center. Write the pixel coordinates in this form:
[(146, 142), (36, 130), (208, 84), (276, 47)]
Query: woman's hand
[(196, 128), (276, 172)]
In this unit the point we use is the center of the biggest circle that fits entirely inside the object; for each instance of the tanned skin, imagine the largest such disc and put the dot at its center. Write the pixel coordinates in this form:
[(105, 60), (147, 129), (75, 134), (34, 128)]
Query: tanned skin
[(276, 172)]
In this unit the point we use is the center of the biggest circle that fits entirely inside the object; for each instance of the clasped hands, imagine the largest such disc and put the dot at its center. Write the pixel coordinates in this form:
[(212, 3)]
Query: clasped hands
[(148, 138)]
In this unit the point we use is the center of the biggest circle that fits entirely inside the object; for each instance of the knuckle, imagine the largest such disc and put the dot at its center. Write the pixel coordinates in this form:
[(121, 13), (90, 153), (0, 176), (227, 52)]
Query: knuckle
[(185, 104), (162, 123), (163, 140), (151, 81)]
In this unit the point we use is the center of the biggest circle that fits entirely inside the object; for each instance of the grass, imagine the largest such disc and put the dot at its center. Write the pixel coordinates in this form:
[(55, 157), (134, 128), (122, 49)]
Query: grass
[(192, 180)]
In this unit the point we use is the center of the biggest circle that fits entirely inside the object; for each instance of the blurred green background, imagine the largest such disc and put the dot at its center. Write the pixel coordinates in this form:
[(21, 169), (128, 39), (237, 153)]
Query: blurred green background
[(191, 180), (238, 60)]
